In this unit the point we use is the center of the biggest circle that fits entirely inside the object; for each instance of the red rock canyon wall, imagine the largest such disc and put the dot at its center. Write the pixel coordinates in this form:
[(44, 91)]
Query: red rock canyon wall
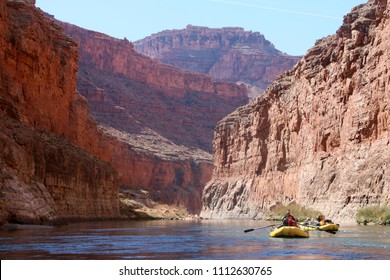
[(227, 54), (320, 134), (44, 178), (164, 116)]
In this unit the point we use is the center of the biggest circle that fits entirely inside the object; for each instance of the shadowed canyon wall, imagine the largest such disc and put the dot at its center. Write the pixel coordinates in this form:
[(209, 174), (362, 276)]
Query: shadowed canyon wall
[(164, 115), (182, 106), (227, 54), (43, 177), (320, 134)]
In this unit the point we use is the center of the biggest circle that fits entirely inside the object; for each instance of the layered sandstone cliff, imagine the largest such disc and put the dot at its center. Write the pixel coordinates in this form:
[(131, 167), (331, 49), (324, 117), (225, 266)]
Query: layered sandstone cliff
[(141, 134), (44, 178), (320, 134), (227, 54), (136, 92), (164, 116)]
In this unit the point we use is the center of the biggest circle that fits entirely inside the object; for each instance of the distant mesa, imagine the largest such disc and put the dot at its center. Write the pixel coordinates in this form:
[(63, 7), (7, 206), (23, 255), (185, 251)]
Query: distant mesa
[(228, 54)]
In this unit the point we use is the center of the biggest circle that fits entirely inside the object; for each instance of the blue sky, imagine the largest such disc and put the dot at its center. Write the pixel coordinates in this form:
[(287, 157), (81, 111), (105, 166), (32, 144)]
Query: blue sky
[(292, 26)]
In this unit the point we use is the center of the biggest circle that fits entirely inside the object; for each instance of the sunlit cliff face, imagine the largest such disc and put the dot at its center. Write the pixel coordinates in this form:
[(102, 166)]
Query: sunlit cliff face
[(319, 136), (227, 54)]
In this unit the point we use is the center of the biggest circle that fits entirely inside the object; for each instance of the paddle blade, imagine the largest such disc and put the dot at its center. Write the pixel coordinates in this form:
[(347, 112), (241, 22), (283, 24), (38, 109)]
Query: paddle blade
[(249, 230)]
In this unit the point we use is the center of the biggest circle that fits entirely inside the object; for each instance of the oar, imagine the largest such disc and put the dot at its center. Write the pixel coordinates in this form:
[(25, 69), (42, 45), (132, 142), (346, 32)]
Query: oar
[(252, 229)]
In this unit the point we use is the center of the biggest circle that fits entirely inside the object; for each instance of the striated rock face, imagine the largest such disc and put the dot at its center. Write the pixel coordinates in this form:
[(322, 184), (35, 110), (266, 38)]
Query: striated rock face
[(44, 178), (320, 134), (227, 54), (35, 73), (171, 174), (163, 116), (136, 91)]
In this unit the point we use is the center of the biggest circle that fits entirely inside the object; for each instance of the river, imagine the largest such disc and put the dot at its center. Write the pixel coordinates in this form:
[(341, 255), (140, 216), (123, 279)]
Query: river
[(188, 240)]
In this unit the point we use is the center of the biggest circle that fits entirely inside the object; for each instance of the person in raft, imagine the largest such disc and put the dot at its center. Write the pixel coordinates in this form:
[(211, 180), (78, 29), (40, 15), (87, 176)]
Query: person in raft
[(289, 220), (322, 221)]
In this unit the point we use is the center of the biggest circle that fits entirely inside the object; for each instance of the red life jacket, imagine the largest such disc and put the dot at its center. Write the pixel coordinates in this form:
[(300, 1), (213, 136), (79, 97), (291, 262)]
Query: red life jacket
[(291, 222)]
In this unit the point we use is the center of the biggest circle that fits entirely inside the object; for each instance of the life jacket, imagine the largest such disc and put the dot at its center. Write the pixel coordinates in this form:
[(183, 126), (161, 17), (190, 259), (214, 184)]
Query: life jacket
[(291, 222)]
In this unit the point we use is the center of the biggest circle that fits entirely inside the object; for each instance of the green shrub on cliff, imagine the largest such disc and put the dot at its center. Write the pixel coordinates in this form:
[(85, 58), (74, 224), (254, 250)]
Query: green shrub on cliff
[(374, 214)]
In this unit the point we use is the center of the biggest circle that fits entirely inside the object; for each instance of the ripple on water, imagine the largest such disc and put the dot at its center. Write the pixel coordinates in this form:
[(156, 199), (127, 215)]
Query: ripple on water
[(189, 240)]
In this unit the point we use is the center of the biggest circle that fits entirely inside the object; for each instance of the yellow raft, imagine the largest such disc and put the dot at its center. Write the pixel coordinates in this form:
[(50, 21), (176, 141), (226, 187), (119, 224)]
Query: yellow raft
[(326, 227), (288, 231), (329, 227)]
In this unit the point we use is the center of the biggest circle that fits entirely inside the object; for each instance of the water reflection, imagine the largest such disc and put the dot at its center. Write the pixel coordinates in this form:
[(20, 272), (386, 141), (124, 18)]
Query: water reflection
[(188, 240)]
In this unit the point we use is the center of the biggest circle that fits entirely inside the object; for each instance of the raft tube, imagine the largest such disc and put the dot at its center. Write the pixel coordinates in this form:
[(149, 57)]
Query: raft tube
[(326, 227), (288, 231)]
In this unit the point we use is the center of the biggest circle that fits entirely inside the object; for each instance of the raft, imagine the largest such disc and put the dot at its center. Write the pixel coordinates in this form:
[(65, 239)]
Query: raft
[(288, 231), (326, 227), (329, 227)]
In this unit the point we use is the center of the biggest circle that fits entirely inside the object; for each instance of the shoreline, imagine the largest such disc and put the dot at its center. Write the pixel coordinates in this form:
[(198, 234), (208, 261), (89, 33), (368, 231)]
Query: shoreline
[(19, 226)]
